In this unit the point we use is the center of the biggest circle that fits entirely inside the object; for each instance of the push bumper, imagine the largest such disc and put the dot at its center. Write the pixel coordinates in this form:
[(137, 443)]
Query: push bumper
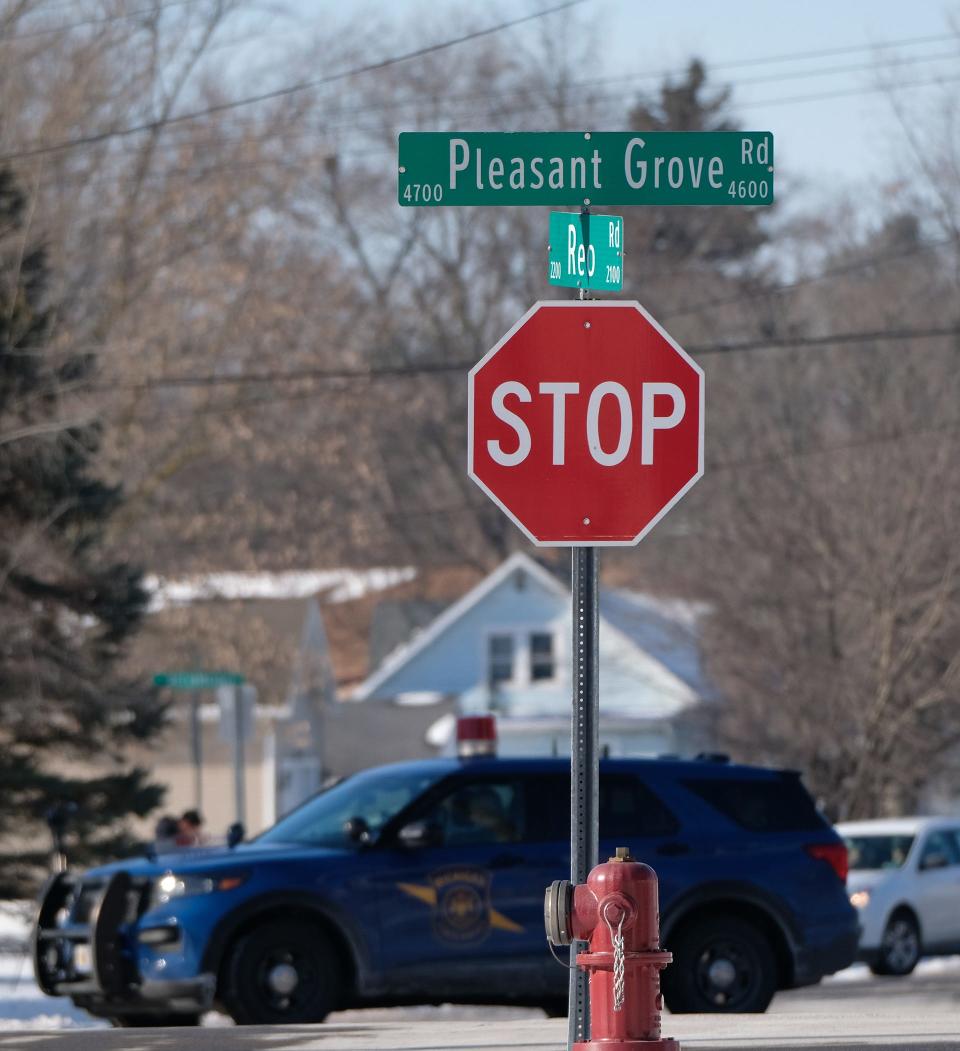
[(79, 951)]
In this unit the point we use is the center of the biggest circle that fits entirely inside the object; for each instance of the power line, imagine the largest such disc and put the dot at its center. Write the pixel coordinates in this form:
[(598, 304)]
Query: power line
[(384, 372), (204, 168), (824, 275), (291, 89)]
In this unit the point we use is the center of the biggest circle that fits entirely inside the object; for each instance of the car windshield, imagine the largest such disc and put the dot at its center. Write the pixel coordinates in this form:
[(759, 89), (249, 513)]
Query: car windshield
[(373, 795), (878, 852)]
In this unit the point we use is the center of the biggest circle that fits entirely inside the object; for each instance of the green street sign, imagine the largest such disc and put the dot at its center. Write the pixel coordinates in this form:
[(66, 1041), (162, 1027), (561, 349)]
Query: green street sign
[(197, 680), (441, 168), (586, 251)]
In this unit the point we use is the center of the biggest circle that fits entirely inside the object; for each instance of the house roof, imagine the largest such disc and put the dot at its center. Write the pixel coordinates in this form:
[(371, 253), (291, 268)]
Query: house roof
[(663, 627), (396, 620), (406, 651), (655, 640)]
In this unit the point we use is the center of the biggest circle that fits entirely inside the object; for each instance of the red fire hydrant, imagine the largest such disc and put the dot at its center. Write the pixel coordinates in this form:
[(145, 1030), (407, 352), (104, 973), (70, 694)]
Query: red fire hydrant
[(617, 912)]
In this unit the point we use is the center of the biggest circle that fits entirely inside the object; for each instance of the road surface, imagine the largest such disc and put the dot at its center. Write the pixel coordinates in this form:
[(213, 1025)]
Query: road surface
[(920, 1014)]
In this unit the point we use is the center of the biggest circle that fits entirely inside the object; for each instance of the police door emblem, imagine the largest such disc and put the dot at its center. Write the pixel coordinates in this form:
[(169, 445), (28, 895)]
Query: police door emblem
[(459, 898), (462, 912)]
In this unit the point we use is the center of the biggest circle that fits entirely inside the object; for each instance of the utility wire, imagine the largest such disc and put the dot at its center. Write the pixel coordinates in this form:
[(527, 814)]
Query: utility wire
[(823, 275), (291, 89), (204, 167), (384, 372), (346, 118)]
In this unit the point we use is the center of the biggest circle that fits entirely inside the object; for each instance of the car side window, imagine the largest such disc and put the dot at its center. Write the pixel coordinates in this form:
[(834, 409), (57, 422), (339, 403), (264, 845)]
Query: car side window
[(940, 851), (628, 808), (480, 812)]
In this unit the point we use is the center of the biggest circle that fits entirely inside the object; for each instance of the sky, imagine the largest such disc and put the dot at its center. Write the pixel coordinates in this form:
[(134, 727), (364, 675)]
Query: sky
[(833, 129)]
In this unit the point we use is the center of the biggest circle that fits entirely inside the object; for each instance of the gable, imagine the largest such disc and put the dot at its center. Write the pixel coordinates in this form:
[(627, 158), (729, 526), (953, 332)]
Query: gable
[(449, 656)]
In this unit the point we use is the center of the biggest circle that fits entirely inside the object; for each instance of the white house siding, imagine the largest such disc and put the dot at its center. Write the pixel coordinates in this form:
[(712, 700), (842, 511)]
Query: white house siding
[(450, 657), (456, 659)]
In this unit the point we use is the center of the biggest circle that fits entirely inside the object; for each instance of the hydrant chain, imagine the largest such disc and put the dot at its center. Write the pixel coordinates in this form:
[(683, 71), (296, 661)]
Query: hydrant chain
[(619, 971)]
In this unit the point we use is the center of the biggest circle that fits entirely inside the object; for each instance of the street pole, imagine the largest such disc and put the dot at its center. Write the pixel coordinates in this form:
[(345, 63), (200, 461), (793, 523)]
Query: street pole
[(196, 749), (239, 754), (584, 763)]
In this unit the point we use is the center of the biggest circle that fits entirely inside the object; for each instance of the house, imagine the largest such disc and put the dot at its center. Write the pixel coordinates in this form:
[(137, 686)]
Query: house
[(505, 647), (269, 627)]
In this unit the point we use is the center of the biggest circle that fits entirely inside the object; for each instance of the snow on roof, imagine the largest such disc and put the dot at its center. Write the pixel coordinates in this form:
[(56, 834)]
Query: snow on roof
[(665, 628), (339, 585)]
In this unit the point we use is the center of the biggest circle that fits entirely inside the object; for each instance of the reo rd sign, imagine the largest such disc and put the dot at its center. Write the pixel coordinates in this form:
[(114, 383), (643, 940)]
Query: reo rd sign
[(586, 423)]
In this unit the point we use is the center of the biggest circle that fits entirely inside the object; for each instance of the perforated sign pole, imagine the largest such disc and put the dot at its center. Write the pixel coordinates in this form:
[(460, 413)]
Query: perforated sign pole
[(584, 763)]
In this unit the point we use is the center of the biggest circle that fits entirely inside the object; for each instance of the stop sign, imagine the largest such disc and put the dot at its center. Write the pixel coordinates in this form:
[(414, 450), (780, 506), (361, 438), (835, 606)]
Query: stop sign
[(586, 423)]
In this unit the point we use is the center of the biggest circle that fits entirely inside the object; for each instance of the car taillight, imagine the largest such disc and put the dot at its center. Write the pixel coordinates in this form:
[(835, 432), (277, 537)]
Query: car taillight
[(834, 854)]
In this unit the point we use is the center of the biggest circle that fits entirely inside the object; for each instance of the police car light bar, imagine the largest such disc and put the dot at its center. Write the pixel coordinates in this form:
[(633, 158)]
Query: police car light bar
[(476, 736)]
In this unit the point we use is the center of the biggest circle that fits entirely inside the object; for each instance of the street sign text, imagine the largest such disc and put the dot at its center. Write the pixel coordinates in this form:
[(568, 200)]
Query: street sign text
[(594, 261), (585, 168)]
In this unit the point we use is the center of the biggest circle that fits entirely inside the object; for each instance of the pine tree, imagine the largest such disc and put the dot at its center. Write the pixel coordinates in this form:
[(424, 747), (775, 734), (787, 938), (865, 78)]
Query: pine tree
[(691, 236), (66, 610)]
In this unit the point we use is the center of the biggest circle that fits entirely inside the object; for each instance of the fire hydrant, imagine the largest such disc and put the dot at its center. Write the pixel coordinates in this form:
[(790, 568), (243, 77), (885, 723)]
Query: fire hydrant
[(617, 912)]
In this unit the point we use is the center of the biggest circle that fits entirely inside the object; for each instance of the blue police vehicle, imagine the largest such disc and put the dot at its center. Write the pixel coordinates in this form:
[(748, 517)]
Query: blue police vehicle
[(423, 882)]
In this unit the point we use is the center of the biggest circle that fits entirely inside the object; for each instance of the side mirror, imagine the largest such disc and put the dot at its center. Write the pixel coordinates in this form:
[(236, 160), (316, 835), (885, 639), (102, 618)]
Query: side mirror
[(420, 834), (933, 861), (357, 830), (235, 834)]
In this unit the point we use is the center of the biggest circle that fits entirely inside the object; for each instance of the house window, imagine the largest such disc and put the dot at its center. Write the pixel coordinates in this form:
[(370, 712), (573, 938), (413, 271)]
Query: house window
[(542, 663), (500, 659)]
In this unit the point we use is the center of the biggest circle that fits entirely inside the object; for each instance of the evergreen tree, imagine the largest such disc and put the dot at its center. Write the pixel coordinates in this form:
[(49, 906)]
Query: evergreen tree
[(690, 236), (66, 611)]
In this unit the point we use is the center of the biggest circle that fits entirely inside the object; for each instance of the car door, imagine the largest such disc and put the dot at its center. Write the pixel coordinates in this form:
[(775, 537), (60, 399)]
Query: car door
[(938, 888), (461, 904)]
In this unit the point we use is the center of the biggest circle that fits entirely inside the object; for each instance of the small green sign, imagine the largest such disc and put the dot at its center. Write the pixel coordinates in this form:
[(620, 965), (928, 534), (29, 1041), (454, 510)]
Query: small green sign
[(439, 168), (586, 251), (197, 680)]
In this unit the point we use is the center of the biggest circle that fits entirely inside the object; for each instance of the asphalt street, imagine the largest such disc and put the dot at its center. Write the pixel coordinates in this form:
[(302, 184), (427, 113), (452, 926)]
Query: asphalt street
[(921, 1014)]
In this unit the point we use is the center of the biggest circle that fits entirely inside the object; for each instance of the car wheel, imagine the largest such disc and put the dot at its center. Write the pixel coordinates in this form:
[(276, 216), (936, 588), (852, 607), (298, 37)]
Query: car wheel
[(284, 971), (720, 964), (899, 947), (147, 1020), (555, 1008)]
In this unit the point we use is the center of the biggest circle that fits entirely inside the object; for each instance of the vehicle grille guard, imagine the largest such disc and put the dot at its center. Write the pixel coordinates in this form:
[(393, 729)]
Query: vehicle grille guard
[(96, 911)]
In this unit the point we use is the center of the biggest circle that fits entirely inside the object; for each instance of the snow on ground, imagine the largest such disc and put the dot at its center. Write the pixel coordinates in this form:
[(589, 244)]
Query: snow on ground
[(22, 1005)]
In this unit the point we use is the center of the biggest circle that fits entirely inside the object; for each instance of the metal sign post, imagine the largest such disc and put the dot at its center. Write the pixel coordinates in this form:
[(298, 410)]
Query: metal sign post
[(584, 762), (195, 680)]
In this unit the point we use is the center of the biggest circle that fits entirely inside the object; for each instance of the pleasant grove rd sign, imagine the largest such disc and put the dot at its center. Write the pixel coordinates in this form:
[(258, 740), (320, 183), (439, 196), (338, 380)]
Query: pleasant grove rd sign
[(586, 423), (438, 168)]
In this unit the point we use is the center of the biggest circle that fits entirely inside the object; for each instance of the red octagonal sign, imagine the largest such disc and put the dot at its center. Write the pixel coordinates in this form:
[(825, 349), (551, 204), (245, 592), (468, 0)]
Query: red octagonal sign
[(586, 423)]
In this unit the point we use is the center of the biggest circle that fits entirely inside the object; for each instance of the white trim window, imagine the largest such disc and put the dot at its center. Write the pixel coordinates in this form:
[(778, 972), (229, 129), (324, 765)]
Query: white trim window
[(500, 659), (543, 662), (520, 657)]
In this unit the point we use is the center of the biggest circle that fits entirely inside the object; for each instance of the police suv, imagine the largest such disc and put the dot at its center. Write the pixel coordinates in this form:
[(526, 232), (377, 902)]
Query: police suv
[(423, 882)]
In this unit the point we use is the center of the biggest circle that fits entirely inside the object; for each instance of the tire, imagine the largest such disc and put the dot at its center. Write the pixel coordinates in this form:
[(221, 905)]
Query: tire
[(159, 1021), (720, 964), (900, 948), (555, 1008), (282, 971)]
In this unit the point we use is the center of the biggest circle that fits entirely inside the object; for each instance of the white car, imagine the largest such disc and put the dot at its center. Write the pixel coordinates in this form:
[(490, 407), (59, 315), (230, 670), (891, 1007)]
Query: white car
[(905, 883)]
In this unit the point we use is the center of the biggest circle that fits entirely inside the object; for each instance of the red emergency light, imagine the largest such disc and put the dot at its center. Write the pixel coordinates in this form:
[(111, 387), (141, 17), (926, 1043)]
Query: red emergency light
[(476, 736)]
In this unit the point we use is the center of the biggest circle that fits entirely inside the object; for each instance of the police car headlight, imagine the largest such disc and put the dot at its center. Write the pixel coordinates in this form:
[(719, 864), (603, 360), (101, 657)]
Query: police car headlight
[(173, 885)]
